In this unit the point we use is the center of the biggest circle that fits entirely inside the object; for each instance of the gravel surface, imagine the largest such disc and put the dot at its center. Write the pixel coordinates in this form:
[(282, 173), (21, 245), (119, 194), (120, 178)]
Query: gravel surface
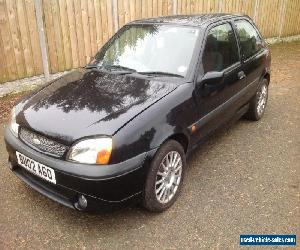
[(244, 180), (6, 104)]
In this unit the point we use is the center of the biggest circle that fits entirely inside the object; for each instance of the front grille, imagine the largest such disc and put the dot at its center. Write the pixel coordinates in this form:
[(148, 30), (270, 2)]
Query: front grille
[(42, 143)]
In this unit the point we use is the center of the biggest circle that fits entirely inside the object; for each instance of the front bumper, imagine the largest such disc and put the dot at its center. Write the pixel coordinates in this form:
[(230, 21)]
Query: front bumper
[(106, 185)]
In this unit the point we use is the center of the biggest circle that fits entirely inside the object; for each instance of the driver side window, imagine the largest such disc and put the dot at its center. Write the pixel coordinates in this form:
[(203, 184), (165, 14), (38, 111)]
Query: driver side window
[(221, 50)]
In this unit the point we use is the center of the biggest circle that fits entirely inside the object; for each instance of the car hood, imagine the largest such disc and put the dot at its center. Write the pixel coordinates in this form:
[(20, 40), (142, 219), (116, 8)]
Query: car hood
[(88, 102)]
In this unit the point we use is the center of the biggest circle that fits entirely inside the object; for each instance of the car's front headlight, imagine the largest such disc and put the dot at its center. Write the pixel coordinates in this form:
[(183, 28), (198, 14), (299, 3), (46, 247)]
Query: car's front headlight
[(91, 151), (14, 126)]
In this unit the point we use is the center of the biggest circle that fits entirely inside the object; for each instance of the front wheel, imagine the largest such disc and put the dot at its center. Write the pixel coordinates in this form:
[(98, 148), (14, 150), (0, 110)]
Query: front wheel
[(164, 180), (258, 102)]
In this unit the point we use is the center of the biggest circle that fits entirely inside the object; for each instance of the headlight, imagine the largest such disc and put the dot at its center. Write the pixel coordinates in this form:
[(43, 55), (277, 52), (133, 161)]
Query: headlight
[(91, 151), (14, 126)]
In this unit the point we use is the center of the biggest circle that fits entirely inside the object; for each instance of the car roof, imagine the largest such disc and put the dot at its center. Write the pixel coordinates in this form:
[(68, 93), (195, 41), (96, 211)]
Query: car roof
[(188, 20)]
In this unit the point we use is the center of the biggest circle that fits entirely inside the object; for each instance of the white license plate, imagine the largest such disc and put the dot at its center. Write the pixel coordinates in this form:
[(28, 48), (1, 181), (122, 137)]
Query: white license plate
[(36, 168)]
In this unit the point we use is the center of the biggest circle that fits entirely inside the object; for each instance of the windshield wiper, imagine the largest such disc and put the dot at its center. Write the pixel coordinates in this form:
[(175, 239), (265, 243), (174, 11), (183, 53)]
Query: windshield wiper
[(160, 73), (119, 67)]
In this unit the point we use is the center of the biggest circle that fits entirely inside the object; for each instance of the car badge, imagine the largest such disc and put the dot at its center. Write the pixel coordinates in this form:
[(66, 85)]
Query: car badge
[(36, 141)]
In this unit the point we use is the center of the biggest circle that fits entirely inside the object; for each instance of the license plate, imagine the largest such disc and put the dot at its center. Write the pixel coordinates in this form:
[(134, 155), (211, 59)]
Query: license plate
[(36, 168)]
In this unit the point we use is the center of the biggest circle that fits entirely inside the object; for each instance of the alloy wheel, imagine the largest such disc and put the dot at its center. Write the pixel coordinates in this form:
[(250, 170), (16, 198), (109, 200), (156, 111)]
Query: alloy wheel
[(262, 99), (168, 177)]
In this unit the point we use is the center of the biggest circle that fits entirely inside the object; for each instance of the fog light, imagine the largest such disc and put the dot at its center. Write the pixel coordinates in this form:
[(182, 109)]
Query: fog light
[(81, 204)]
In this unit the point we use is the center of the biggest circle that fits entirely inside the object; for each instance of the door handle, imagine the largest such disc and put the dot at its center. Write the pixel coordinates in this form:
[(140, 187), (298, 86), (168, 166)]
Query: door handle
[(241, 75)]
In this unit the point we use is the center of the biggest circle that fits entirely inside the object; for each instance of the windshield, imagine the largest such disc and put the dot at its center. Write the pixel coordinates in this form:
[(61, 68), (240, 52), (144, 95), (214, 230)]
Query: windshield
[(151, 48)]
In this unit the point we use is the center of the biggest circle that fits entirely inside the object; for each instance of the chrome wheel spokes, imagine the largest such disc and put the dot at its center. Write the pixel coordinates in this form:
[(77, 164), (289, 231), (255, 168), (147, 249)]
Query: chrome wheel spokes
[(262, 100), (168, 177)]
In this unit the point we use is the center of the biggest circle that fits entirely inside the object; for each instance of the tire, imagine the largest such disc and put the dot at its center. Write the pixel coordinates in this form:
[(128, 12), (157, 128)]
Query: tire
[(156, 197), (258, 103)]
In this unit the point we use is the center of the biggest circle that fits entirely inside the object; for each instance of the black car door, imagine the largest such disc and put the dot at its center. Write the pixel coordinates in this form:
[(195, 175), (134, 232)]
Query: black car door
[(253, 52), (219, 79)]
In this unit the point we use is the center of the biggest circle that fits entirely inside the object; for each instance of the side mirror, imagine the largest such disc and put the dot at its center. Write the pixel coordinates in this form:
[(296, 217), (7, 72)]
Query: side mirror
[(210, 82), (211, 78)]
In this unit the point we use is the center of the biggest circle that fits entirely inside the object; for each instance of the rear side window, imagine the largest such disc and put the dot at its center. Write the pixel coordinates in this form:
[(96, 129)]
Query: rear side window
[(221, 49), (249, 39)]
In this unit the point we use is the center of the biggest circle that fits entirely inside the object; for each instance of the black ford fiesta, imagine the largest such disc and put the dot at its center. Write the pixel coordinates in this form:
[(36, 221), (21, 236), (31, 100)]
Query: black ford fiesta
[(120, 128)]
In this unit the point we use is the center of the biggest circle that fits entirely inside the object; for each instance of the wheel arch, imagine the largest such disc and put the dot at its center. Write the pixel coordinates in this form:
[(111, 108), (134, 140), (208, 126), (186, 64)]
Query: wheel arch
[(267, 76), (182, 139), (180, 136)]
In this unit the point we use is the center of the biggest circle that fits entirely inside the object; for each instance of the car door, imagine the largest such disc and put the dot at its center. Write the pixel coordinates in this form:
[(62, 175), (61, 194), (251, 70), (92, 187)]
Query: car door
[(253, 54), (215, 98)]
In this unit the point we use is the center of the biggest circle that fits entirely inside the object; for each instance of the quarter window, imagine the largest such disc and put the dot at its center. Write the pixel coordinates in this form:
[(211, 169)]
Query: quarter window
[(221, 49), (249, 39)]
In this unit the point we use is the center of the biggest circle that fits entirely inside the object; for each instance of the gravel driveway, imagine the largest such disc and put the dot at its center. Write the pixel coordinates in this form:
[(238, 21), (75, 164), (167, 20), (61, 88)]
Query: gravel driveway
[(244, 180)]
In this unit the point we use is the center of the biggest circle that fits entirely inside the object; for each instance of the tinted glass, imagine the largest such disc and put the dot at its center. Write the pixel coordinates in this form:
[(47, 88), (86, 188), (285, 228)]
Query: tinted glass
[(147, 48), (221, 49), (249, 39)]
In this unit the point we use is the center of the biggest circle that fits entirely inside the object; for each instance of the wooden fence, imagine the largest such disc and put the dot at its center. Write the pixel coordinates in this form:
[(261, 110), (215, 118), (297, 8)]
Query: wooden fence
[(75, 29)]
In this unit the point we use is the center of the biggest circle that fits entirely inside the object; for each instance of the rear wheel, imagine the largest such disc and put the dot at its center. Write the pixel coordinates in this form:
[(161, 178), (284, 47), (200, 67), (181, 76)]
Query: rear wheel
[(164, 180), (258, 102)]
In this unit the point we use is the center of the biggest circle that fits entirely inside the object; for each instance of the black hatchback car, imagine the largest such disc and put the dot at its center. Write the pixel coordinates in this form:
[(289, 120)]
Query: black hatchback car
[(120, 128)]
